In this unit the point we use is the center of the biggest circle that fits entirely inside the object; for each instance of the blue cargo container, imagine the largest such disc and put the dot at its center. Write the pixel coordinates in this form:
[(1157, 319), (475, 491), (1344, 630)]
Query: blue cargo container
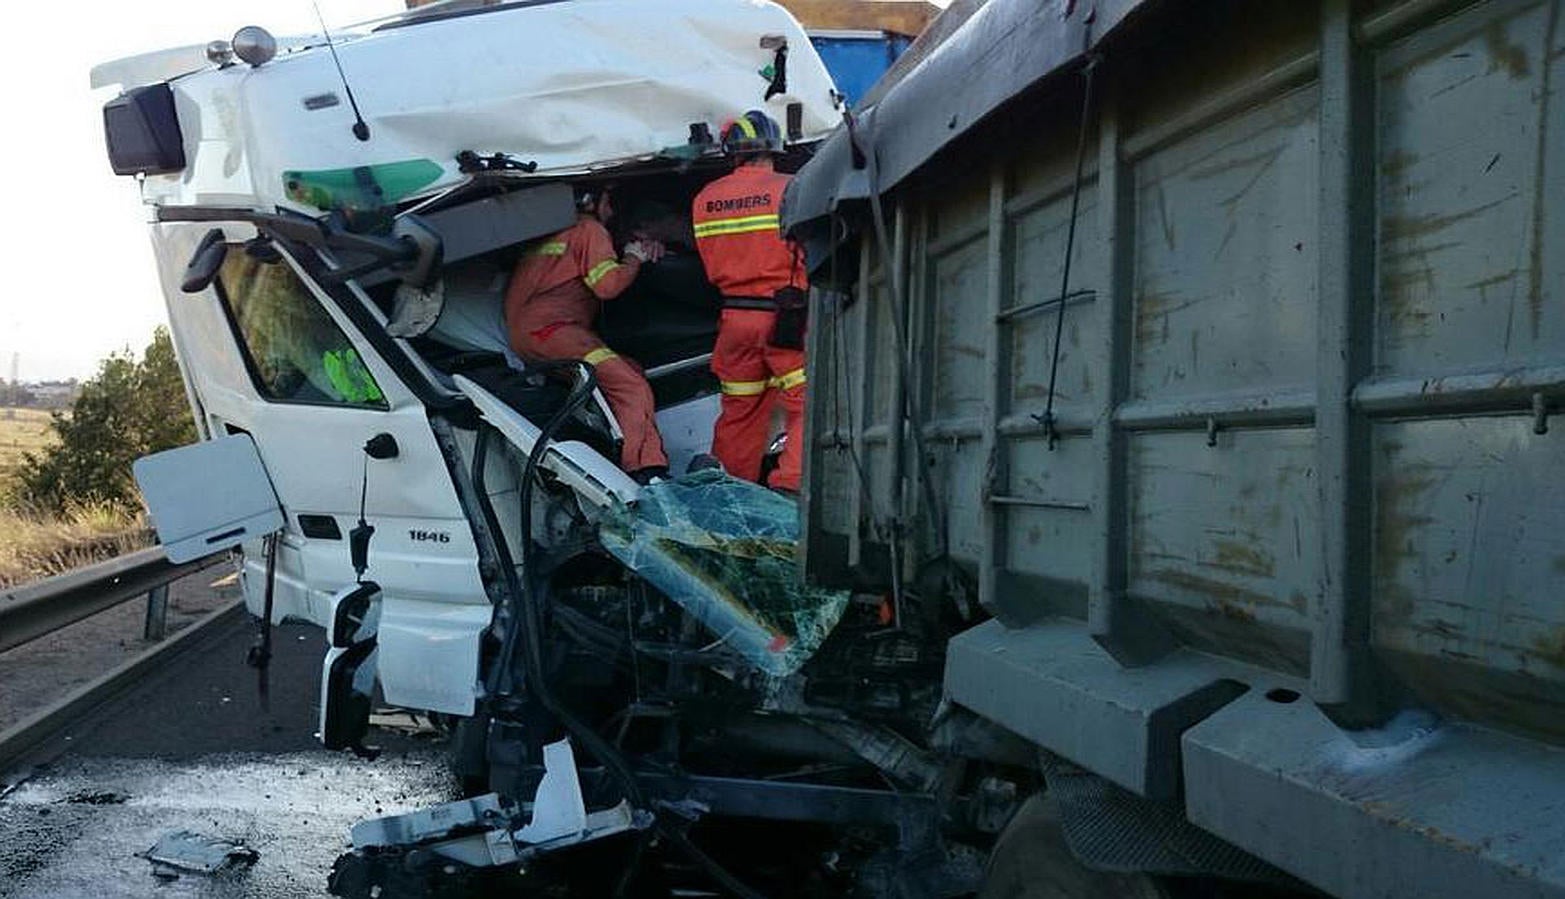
[(857, 59)]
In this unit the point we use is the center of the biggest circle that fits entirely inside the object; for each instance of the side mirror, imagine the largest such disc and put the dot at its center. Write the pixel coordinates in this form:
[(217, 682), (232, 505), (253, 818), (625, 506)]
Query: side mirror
[(205, 262)]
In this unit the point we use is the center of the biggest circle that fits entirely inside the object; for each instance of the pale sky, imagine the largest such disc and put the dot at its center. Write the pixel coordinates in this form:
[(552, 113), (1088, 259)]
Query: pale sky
[(79, 279)]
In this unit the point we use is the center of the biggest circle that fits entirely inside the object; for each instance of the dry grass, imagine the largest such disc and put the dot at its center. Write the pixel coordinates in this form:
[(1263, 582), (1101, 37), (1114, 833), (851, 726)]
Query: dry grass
[(21, 431), (33, 547)]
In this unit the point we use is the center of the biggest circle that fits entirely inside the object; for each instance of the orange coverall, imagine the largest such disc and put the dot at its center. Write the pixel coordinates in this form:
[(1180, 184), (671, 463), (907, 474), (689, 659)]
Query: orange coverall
[(550, 305), (746, 257)]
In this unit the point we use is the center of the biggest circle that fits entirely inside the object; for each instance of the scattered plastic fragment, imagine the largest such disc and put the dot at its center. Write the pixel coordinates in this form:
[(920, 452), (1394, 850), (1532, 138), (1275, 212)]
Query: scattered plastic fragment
[(185, 851), (96, 797), (404, 722)]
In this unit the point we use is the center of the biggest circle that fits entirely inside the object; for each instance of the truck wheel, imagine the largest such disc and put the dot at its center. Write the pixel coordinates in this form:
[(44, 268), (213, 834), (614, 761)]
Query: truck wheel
[(1031, 861)]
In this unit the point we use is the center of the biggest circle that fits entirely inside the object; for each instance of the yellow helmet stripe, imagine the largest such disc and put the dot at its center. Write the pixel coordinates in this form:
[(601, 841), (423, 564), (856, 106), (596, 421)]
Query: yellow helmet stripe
[(747, 126)]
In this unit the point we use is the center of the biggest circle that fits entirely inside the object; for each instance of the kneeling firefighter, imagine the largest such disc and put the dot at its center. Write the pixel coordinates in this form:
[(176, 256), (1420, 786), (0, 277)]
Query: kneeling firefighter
[(759, 356), (550, 306)]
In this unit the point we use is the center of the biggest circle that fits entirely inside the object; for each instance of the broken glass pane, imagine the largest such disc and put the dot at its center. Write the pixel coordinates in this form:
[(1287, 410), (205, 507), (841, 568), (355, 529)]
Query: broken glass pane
[(725, 550)]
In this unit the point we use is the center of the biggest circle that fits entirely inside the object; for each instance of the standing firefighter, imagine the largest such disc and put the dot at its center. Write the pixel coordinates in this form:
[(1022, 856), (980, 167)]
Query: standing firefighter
[(549, 310), (759, 354)]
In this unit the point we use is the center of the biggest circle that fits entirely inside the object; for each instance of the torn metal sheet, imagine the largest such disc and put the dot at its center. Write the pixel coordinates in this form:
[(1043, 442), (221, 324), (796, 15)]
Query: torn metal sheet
[(726, 551), (482, 832), (558, 808), (186, 851)]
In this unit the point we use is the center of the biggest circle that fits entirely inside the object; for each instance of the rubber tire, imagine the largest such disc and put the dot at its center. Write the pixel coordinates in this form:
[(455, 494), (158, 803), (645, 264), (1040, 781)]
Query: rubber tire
[(1031, 861)]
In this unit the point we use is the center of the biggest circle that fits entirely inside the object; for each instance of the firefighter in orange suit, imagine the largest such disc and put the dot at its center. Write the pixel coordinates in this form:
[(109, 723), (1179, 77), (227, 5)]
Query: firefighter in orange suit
[(759, 356), (550, 306)]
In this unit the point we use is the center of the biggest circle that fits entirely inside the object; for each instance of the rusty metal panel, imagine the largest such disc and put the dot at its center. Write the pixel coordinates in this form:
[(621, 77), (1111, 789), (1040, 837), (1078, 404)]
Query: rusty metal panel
[(1038, 248), (1045, 504), (959, 471), (961, 205), (834, 482), (881, 347), (1225, 258), (1471, 161), (1223, 539), (1468, 562), (959, 331)]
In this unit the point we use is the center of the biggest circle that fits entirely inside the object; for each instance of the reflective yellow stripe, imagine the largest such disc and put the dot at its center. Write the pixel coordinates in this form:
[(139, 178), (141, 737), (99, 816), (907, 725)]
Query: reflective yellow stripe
[(788, 380), (744, 388), (599, 356), (746, 126), (599, 271), (552, 248), (738, 225)]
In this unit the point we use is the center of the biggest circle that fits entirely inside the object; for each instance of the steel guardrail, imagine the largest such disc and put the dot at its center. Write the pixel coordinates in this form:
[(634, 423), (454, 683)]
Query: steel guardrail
[(30, 737), (34, 610)]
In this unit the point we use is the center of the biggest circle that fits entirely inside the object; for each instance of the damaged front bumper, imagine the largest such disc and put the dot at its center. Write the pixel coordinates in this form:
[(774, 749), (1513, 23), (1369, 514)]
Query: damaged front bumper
[(490, 830)]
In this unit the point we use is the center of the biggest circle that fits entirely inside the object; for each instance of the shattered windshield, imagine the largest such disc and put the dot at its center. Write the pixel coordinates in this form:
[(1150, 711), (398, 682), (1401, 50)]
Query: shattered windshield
[(726, 551)]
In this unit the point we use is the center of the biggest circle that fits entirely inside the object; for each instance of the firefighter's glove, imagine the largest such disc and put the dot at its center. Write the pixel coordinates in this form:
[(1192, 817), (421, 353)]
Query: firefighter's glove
[(644, 250)]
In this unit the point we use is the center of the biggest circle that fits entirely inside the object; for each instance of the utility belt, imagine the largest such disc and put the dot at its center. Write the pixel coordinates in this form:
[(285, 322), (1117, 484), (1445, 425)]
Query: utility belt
[(792, 305), (765, 304)]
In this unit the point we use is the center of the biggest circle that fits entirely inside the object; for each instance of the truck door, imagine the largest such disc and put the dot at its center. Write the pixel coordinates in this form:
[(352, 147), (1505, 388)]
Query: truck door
[(267, 352)]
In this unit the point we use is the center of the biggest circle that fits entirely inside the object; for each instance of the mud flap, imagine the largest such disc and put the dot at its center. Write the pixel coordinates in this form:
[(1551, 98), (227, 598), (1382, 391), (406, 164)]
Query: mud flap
[(348, 672)]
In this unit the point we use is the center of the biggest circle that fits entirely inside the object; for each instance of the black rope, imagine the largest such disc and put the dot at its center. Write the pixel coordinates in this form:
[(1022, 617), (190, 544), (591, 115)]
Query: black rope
[(1051, 432)]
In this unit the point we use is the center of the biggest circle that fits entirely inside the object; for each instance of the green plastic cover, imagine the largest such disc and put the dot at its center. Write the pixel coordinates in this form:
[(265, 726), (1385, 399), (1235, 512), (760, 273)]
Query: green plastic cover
[(726, 551), (361, 188)]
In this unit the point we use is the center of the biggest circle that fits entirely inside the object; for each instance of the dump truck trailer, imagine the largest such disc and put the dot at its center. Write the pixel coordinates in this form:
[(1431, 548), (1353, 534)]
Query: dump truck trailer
[(1205, 359)]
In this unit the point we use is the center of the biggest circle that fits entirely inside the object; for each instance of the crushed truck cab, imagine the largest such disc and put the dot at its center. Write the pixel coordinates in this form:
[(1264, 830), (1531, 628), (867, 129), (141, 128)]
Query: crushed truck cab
[(335, 227)]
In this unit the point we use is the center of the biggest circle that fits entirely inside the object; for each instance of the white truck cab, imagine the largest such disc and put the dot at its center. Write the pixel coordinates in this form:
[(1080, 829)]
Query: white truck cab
[(470, 121), (334, 227)]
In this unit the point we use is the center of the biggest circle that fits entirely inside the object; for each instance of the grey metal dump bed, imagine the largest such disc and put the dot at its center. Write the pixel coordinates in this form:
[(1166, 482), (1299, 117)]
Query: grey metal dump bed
[(1293, 554)]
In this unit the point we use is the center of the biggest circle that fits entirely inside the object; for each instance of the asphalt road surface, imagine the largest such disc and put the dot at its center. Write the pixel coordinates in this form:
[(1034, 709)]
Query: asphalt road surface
[(194, 748)]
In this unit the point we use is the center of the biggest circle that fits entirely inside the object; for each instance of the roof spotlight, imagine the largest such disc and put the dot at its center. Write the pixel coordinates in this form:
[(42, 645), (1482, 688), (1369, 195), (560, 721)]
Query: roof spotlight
[(219, 53), (255, 45)]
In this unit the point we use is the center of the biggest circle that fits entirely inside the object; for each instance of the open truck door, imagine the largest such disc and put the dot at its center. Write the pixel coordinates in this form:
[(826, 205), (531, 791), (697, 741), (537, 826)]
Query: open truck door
[(347, 445)]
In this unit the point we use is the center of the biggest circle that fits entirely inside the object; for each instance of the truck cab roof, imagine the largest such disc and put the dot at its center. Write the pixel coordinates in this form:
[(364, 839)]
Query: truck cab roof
[(563, 87)]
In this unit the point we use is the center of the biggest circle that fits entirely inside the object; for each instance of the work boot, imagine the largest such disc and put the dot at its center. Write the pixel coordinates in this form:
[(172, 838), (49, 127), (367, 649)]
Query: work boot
[(703, 462)]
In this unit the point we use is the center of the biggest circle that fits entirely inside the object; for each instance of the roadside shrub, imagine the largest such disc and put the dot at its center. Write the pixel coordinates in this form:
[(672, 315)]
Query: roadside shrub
[(129, 409)]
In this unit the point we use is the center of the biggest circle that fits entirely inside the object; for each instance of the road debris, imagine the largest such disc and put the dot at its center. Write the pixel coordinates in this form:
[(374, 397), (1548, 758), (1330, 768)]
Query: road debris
[(403, 722), (185, 851)]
